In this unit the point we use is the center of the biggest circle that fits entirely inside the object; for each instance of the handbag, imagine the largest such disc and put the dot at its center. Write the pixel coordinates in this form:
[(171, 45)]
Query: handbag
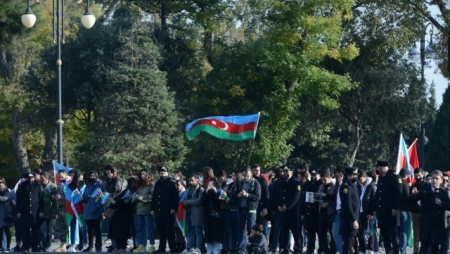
[(215, 214), (109, 213)]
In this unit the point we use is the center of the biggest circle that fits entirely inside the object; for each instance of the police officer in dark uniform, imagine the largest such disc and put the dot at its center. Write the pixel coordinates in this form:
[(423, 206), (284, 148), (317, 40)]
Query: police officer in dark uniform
[(287, 196), (29, 209), (350, 205), (164, 207), (310, 210), (386, 206)]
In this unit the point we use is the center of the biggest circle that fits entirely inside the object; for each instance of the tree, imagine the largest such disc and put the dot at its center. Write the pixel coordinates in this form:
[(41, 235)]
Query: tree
[(438, 146), (135, 118)]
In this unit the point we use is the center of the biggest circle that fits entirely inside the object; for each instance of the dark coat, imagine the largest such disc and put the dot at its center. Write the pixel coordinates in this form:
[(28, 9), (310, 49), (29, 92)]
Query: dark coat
[(5, 208), (328, 190), (213, 226), (414, 207), (287, 193), (232, 196), (350, 206), (123, 217), (264, 198), (405, 200), (387, 198), (29, 199), (110, 185), (368, 199), (432, 216), (165, 198), (272, 203), (310, 211), (332, 198)]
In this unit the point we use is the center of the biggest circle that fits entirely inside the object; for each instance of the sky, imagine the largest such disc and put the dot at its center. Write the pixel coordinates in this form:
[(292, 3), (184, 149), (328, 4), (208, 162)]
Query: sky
[(432, 72)]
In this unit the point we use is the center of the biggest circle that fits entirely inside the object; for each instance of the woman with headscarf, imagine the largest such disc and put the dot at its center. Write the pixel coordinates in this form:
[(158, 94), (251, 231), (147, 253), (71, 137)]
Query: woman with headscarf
[(120, 222)]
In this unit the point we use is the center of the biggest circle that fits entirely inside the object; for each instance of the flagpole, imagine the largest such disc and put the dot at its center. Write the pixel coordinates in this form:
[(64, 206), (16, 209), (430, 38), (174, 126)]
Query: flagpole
[(251, 152)]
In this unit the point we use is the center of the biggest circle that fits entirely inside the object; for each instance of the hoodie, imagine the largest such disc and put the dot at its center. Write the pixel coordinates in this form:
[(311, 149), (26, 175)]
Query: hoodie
[(366, 195)]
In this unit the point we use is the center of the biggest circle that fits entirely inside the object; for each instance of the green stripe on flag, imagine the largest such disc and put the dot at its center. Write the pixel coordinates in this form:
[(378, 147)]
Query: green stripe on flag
[(218, 133)]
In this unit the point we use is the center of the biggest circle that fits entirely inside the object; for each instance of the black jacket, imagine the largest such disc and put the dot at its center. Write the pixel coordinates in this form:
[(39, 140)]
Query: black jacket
[(368, 198), (328, 190), (350, 206), (165, 198), (413, 205), (387, 198), (287, 193), (405, 200), (29, 199), (310, 211), (264, 199), (110, 185), (432, 216)]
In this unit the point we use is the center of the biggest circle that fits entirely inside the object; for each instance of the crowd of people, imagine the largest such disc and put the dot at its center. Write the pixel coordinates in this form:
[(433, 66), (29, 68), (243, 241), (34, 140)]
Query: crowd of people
[(282, 210)]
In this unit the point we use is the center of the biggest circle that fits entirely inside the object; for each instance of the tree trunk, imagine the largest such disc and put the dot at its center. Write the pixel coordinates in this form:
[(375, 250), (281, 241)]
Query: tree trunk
[(49, 149), (7, 65), (358, 136), (7, 60), (19, 145)]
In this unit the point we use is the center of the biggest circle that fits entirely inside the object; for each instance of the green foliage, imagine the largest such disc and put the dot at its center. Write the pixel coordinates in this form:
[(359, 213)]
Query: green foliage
[(438, 146), (136, 122)]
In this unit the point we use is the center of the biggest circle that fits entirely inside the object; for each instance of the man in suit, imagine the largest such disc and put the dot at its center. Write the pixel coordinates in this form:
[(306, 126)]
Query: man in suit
[(350, 205), (387, 204), (433, 202)]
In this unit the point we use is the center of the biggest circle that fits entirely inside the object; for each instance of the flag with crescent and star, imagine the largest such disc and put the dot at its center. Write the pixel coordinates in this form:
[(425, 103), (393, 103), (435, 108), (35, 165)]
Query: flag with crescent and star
[(237, 128)]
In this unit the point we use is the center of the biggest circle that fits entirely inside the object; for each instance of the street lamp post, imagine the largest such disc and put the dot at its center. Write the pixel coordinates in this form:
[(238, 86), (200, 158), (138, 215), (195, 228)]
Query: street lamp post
[(88, 20), (423, 140)]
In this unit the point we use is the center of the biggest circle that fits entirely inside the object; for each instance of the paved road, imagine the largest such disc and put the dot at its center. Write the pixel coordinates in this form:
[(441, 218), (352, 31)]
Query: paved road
[(56, 245)]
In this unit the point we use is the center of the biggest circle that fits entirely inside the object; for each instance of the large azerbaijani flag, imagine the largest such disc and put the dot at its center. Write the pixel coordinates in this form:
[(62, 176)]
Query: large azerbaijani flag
[(237, 128), (180, 217), (56, 168)]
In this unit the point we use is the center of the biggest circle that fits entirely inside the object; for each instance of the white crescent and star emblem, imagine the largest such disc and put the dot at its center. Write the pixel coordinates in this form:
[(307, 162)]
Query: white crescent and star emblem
[(225, 127)]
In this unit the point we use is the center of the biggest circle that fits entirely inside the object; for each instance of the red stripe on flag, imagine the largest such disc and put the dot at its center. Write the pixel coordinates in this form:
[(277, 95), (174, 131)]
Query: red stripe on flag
[(227, 126)]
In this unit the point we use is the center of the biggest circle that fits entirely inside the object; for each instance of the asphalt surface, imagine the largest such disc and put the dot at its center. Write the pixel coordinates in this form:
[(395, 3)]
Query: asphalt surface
[(56, 244)]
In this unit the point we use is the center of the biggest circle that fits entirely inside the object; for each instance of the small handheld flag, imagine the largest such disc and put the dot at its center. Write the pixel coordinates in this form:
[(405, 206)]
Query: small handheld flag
[(48, 190), (310, 197), (97, 195), (106, 200), (222, 195)]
